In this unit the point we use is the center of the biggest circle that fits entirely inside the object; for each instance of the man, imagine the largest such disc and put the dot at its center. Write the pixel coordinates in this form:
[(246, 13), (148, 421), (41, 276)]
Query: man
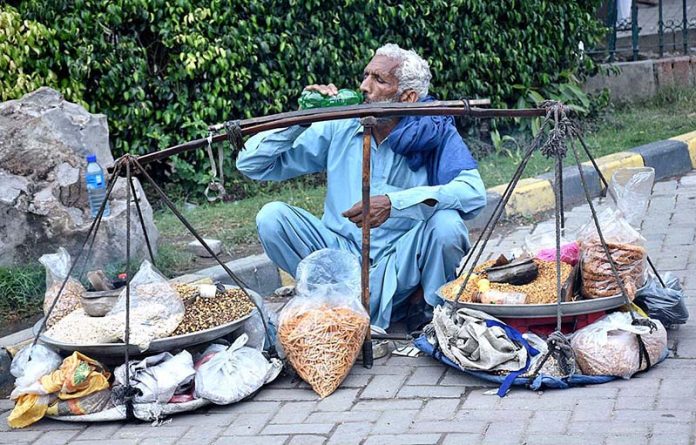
[(424, 184)]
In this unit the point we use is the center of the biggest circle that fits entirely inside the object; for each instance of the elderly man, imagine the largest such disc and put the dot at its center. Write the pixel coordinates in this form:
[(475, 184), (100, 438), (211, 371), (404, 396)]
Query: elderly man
[(424, 185)]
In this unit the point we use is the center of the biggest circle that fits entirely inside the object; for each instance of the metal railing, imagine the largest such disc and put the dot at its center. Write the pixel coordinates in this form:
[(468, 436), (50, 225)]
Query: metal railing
[(665, 30)]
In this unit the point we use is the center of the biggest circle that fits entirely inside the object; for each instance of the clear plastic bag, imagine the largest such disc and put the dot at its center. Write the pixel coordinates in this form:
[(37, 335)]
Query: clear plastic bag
[(234, 373), (155, 309), (322, 329), (30, 364), (626, 248), (663, 303), (57, 267), (610, 346), (632, 188)]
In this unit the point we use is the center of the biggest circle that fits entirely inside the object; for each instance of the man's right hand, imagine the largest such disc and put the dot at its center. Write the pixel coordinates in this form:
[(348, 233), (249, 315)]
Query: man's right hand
[(326, 90)]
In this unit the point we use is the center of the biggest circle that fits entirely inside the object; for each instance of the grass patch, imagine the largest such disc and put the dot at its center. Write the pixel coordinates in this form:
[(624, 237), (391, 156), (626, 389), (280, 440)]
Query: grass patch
[(21, 292), (233, 222), (670, 113)]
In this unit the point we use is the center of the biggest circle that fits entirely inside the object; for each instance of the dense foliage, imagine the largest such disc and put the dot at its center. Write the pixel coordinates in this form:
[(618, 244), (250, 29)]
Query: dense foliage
[(162, 70)]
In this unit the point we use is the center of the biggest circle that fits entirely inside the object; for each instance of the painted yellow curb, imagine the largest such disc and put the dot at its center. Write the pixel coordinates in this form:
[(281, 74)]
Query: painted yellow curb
[(530, 197), (610, 163), (690, 140)]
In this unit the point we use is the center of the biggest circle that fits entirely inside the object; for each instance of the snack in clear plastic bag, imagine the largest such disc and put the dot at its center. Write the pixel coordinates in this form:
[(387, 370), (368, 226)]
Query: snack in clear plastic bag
[(155, 309), (322, 329), (610, 346), (57, 267), (626, 248)]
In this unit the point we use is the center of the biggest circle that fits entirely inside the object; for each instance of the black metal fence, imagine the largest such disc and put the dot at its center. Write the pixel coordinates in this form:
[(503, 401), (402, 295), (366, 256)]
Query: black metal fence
[(654, 29)]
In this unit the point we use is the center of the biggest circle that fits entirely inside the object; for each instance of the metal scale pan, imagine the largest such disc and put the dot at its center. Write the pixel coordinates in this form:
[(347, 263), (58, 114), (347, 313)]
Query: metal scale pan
[(156, 346), (579, 307)]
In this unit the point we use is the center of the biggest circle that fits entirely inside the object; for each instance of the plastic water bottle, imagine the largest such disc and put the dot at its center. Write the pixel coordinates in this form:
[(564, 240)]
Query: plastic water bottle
[(96, 186), (314, 99)]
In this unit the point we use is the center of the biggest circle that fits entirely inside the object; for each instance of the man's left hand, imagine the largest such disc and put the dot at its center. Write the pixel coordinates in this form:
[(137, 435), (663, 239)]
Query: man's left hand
[(380, 208)]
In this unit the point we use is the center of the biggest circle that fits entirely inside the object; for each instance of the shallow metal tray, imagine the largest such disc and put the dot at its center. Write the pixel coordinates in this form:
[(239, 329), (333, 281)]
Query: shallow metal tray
[(543, 310), (156, 346)]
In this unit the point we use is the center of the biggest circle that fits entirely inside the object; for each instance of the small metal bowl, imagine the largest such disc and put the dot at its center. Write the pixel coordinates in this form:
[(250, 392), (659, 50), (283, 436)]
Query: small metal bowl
[(97, 304)]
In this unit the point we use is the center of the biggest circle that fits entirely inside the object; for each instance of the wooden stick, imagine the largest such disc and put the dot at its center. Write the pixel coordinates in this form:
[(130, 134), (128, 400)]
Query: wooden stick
[(282, 120), (368, 124)]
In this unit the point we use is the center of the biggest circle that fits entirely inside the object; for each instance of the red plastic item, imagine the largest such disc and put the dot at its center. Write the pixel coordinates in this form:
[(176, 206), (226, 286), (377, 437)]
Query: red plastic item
[(545, 326)]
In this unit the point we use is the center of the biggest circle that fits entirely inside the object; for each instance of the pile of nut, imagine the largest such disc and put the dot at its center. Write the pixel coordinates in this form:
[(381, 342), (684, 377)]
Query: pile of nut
[(540, 291), (69, 300), (204, 313), (598, 279)]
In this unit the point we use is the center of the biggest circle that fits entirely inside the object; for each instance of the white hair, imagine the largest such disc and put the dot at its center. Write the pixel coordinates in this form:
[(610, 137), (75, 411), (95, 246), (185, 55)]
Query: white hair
[(413, 72)]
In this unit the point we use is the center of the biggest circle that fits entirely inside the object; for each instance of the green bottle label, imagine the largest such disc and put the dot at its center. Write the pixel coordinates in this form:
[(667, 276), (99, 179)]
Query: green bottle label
[(314, 99)]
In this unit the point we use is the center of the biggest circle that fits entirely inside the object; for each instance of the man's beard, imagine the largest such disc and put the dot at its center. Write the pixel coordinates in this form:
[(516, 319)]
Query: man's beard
[(391, 100)]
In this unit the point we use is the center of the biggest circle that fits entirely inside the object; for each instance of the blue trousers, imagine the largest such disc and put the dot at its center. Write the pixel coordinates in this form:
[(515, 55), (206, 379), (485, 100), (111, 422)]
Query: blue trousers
[(426, 255)]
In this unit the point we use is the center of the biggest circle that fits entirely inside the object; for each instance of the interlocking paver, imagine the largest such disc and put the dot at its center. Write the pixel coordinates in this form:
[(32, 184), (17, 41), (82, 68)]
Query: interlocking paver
[(307, 439), (418, 401), (350, 434), (56, 437), (293, 412)]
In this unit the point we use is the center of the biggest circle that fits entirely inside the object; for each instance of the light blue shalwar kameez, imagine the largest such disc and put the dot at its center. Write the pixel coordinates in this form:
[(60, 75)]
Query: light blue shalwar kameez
[(417, 245)]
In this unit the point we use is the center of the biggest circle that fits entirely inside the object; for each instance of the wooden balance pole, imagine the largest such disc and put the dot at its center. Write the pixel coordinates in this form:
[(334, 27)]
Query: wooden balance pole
[(368, 124)]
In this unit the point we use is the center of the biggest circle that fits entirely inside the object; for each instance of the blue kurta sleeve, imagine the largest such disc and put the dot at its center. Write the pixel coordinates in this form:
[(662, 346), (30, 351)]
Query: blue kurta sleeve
[(283, 154), (465, 193)]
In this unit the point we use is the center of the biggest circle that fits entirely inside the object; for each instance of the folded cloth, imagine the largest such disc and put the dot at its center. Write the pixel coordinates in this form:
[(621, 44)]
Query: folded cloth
[(156, 378), (466, 338)]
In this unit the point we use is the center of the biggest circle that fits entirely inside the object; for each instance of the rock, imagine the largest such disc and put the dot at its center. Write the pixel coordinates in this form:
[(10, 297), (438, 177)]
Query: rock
[(5, 361), (43, 198), (197, 248)]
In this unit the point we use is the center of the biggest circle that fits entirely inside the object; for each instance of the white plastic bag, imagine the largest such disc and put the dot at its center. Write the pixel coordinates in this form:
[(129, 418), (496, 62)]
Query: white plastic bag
[(626, 248), (29, 365), (156, 378), (57, 267), (234, 373), (632, 188), (610, 346), (322, 328), (156, 308)]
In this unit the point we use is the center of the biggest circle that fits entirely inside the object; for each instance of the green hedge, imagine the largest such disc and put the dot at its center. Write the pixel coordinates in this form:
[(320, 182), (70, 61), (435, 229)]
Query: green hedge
[(162, 70)]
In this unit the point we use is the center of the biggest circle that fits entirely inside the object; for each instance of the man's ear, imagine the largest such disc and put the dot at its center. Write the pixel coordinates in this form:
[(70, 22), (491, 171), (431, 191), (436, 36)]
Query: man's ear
[(409, 96)]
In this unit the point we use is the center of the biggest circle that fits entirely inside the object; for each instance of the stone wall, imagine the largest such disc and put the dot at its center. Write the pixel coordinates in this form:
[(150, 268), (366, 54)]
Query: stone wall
[(642, 79)]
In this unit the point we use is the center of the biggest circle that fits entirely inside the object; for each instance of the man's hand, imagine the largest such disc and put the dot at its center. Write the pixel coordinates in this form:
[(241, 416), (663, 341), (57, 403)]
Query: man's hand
[(326, 90), (380, 208)]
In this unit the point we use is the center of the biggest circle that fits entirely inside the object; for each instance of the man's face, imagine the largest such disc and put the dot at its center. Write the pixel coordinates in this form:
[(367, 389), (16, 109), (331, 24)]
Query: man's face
[(379, 82)]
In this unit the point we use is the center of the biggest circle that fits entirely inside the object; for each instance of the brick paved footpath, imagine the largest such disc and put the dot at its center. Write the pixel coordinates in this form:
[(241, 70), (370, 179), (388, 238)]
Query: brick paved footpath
[(418, 401)]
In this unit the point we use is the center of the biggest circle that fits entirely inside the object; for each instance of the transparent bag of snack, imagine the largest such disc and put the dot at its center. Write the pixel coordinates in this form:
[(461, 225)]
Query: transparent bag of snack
[(626, 248), (610, 346), (156, 308), (57, 267), (322, 329)]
